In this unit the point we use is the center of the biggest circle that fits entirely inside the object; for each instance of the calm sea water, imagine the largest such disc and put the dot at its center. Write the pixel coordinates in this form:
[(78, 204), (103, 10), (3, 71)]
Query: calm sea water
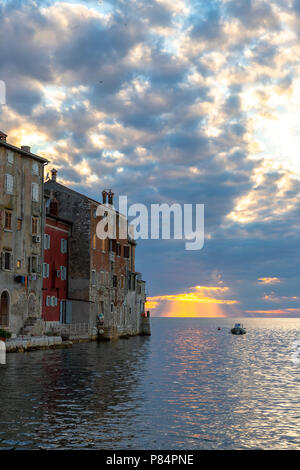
[(189, 386)]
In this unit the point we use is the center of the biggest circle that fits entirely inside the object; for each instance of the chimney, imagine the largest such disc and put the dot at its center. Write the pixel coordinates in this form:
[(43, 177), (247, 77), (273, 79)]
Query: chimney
[(25, 148), (110, 197), (104, 196), (53, 173), (2, 137)]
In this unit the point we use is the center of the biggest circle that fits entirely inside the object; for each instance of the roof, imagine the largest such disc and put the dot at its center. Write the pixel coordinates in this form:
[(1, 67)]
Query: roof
[(71, 191), (23, 152), (59, 219)]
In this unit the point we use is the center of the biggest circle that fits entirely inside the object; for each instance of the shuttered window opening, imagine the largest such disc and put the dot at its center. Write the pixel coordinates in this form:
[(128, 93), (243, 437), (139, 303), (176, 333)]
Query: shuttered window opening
[(33, 264), (35, 168), (8, 220), (93, 278), (45, 270), (63, 245), (35, 192), (10, 157), (7, 261), (46, 241), (9, 184), (34, 225), (63, 271)]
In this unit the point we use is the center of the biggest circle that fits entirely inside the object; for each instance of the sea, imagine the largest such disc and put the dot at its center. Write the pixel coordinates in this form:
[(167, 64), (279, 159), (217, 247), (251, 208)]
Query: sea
[(189, 386)]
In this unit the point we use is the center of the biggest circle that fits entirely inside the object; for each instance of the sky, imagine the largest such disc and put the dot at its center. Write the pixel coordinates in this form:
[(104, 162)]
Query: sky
[(188, 102)]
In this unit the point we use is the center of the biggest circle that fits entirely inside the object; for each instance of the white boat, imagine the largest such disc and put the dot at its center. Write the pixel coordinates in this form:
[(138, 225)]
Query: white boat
[(238, 329)]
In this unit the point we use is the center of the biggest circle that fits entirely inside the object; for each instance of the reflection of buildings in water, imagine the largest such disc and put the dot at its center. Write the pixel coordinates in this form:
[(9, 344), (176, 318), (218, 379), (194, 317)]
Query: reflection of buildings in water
[(2, 353), (90, 385)]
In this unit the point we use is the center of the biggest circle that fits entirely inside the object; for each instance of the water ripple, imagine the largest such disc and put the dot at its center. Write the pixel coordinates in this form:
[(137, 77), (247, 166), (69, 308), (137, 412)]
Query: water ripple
[(189, 386)]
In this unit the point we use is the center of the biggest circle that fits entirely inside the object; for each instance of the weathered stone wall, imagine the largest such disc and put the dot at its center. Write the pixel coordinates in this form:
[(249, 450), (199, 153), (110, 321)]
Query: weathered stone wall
[(98, 276), (24, 299)]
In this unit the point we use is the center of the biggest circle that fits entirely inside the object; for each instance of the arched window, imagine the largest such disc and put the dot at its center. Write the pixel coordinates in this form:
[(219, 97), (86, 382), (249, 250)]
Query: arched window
[(4, 309)]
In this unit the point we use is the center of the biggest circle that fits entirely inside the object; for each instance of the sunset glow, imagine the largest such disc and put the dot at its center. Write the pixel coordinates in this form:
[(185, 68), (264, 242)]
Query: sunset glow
[(202, 301)]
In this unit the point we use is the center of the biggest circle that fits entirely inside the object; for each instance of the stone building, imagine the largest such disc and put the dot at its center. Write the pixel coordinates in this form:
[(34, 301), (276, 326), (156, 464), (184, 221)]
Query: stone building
[(101, 273), (56, 307), (21, 241)]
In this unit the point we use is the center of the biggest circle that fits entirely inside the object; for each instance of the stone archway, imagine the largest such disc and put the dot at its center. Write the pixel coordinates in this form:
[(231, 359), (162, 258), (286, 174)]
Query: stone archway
[(4, 309)]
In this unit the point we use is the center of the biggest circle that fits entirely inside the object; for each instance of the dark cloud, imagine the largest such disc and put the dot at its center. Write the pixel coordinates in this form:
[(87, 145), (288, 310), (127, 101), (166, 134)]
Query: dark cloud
[(253, 13), (126, 101)]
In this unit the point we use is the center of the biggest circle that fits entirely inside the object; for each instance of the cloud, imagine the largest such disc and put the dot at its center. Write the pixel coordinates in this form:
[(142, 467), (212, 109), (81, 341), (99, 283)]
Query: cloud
[(288, 312), (269, 280), (272, 297), (169, 102)]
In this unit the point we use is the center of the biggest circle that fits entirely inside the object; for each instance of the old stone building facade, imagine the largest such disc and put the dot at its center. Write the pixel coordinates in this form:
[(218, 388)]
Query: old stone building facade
[(21, 240), (101, 273)]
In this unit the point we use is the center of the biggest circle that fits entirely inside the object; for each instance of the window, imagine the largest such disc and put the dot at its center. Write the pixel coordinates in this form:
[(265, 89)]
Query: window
[(94, 242), (126, 251), (35, 192), (34, 225), (33, 264), (45, 270), (53, 301), (112, 245), (9, 184), (4, 309), (46, 241), (48, 301), (118, 249), (7, 260), (19, 226), (115, 281), (103, 245), (35, 168), (63, 311), (93, 278), (63, 271), (63, 245), (7, 220), (10, 157), (111, 308)]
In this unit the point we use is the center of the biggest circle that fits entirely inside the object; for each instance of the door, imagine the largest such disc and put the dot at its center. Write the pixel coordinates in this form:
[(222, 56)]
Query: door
[(4, 309)]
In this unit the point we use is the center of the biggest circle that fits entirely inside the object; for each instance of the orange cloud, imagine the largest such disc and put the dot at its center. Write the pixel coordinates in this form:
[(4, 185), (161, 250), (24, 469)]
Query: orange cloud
[(202, 301), (269, 280), (273, 298), (276, 312)]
